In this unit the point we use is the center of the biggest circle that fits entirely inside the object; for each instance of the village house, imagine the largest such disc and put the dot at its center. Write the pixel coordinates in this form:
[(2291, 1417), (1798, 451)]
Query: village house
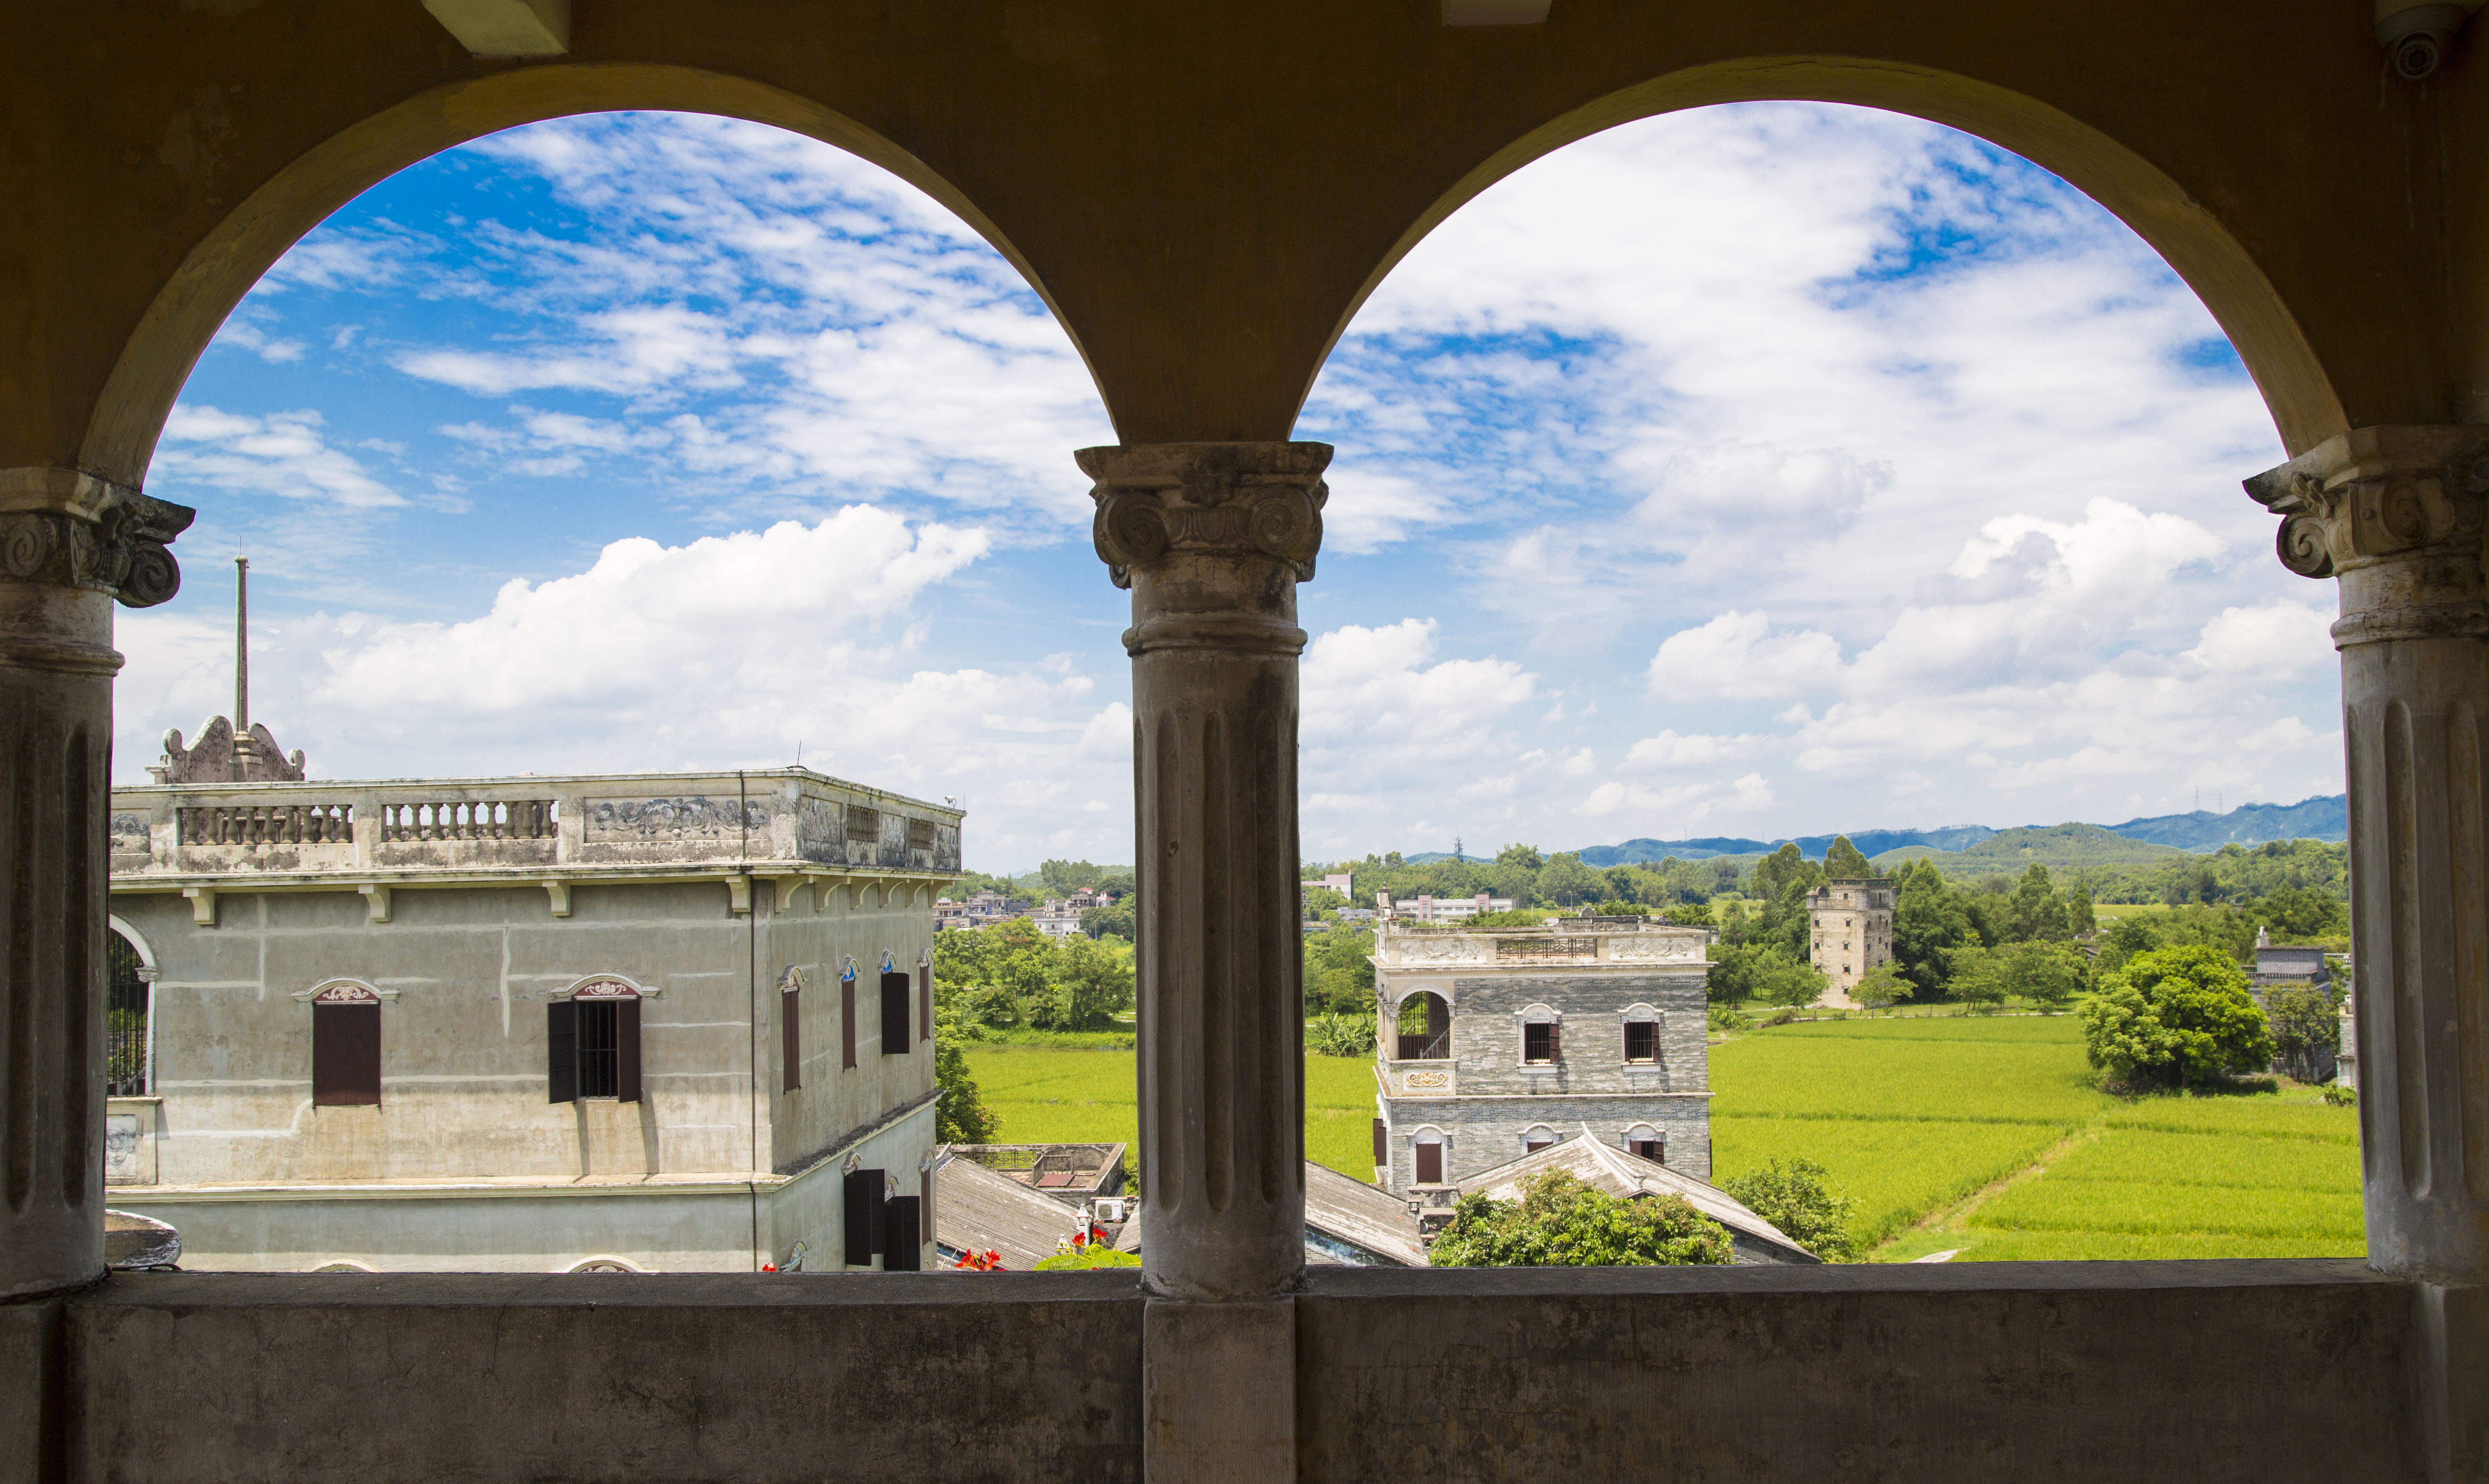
[(628, 1021), (1496, 1042)]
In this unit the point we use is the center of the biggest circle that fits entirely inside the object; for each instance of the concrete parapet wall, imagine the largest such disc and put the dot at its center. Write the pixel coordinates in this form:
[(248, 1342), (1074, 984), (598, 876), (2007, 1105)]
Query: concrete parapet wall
[(2203, 1371), (2270, 1372)]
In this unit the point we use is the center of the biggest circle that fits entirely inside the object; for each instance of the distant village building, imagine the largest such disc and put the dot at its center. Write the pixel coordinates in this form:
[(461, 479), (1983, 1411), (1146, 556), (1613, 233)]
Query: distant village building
[(1499, 1042), (1852, 937), (624, 1021), (1058, 920), (2292, 966), (983, 910), (1438, 909), (1753, 1240)]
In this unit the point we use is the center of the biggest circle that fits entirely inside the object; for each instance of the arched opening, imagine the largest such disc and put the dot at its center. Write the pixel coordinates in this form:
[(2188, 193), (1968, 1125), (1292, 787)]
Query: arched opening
[(1572, 404), (1423, 1028), (128, 997)]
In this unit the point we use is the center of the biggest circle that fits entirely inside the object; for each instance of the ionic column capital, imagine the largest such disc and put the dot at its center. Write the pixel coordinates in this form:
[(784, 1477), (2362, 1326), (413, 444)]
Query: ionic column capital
[(65, 528), (2398, 514), (1158, 502)]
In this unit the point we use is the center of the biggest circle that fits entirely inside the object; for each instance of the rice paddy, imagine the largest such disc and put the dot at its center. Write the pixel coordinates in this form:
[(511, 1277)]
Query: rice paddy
[(1980, 1137)]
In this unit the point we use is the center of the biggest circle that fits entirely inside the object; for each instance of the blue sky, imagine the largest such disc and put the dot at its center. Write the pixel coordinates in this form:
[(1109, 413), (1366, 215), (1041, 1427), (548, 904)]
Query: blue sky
[(1763, 469)]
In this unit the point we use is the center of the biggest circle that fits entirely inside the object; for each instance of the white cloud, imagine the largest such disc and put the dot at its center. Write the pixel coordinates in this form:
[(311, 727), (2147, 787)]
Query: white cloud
[(1668, 749), (1737, 655), (2270, 638), (283, 453)]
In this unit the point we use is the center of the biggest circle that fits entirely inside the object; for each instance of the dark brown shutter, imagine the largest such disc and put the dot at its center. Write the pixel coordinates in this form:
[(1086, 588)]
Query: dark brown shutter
[(1554, 1041), (626, 1050), (1430, 1164), (906, 1253), (860, 1187), (791, 1038), (925, 1197), (924, 1002), (894, 1013), (1382, 1143), (345, 1056), (877, 1209), (561, 1052), (846, 1023)]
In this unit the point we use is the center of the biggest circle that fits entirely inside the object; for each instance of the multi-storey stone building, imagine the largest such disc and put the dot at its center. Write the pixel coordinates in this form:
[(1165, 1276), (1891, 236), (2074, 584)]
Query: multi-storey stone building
[(1498, 1041), (1853, 932), (634, 1021)]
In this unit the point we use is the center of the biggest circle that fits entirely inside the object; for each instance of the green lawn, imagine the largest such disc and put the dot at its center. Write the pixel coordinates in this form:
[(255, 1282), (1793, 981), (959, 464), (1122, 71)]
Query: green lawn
[(1978, 1135), (1988, 1131), (1044, 1096)]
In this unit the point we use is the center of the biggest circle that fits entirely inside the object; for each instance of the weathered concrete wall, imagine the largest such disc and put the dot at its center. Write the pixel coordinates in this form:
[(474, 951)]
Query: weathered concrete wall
[(2206, 1371), (954, 1375), (2262, 1372), (464, 1076)]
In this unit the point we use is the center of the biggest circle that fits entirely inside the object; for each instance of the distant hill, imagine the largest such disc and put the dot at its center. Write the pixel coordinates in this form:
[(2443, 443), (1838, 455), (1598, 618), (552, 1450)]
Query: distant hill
[(2057, 846), (1952, 837), (2326, 817)]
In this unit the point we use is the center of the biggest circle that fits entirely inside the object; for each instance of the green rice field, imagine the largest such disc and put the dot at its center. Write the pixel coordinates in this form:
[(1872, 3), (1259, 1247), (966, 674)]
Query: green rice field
[(1978, 1136)]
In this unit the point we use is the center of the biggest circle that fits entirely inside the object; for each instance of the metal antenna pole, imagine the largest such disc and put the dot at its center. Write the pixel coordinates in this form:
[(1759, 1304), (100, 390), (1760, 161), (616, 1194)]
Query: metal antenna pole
[(241, 647)]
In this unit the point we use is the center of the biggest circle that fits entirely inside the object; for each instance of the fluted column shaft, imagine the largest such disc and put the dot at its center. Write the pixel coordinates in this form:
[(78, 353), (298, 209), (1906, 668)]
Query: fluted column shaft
[(1211, 539), (2396, 514), (68, 546)]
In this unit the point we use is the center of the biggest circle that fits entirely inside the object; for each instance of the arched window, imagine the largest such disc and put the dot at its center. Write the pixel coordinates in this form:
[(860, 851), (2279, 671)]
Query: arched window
[(1539, 1137), (1426, 1149), (345, 1045), (129, 996), (592, 1041), (1642, 1035), (1645, 1142), (790, 1028), (1542, 1037)]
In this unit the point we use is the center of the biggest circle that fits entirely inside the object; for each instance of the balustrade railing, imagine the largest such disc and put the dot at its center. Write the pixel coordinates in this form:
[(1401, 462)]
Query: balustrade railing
[(505, 819), (266, 824)]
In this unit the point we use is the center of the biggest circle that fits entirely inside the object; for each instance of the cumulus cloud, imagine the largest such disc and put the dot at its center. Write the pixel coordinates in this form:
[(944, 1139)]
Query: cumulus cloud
[(285, 454), (1740, 656)]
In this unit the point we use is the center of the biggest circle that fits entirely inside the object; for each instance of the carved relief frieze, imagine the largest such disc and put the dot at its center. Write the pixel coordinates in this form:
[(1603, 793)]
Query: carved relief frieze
[(128, 833), (691, 817), (1672, 949), (819, 833), (1429, 949)]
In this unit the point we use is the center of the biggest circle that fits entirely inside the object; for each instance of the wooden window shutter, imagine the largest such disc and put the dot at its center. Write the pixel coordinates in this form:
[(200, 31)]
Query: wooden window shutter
[(626, 1050), (1430, 1164), (846, 1023), (1554, 1041), (894, 1012), (924, 1002), (877, 1209), (1382, 1143), (925, 1200), (906, 1251), (861, 1184), (791, 1038), (345, 1056), (561, 1052)]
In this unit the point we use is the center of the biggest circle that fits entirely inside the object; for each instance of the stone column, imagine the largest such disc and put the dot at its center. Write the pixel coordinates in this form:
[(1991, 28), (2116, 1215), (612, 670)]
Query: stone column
[(2397, 516), (68, 546), (1211, 539)]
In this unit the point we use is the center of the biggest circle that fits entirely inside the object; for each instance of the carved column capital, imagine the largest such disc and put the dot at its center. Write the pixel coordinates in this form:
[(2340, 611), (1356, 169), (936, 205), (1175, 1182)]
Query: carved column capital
[(2398, 514), (65, 528), (1158, 502)]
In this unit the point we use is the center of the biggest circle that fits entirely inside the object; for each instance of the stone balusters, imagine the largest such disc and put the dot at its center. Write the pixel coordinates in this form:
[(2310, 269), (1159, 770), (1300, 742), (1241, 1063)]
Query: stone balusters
[(70, 545), (2396, 515), (1211, 539)]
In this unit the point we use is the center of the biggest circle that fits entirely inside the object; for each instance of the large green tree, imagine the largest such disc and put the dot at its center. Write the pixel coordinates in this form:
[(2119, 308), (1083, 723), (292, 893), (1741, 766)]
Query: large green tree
[(1930, 919), (1561, 1222), (2176, 1017), (1845, 861), (1567, 882), (2036, 910), (960, 1115), (1798, 1198)]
